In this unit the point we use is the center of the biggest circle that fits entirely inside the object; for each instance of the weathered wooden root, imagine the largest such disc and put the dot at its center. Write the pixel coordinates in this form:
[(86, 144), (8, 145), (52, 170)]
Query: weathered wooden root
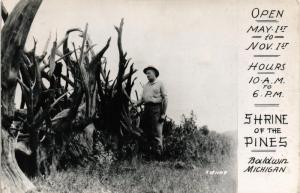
[(13, 180)]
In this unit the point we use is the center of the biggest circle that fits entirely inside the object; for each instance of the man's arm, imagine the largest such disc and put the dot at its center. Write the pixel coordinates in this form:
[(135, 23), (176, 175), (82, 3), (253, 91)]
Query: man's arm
[(164, 106), (164, 100)]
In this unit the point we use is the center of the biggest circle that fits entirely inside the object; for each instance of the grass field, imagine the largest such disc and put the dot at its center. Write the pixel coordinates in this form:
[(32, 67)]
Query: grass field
[(208, 165), (142, 177)]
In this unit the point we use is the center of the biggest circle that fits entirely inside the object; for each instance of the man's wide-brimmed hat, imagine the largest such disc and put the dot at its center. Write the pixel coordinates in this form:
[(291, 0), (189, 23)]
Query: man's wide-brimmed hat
[(151, 68)]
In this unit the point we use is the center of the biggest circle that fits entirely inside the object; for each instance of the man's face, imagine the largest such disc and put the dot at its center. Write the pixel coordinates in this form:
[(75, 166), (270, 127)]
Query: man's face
[(150, 75)]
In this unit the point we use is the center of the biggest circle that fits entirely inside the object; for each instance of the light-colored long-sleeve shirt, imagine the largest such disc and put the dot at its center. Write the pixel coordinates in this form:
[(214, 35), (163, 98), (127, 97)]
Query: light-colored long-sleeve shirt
[(154, 92)]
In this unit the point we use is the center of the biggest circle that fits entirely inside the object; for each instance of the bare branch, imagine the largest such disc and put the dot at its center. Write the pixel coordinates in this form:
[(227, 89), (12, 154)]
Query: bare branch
[(58, 99), (67, 36), (23, 85), (100, 54), (52, 57), (119, 30), (4, 12)]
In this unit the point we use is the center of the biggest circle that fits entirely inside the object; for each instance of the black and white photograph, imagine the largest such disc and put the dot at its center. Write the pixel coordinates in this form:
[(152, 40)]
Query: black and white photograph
[(145, 96)]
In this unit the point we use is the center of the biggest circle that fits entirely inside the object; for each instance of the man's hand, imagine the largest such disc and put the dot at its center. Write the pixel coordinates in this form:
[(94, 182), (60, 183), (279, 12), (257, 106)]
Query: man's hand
[(162, 118)]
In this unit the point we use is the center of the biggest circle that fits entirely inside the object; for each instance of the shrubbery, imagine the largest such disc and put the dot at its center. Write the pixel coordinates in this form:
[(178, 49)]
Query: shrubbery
[(188, 142), (184, 142)]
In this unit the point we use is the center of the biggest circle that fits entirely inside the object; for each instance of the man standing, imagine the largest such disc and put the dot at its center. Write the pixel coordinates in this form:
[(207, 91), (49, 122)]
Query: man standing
[(155, 100)]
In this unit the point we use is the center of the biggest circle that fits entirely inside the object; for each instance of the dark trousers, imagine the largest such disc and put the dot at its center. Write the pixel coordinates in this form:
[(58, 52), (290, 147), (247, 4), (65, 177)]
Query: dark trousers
[(152, 127)]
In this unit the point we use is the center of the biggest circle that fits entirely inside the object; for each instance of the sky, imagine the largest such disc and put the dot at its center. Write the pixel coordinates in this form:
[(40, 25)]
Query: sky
[(192, 44)]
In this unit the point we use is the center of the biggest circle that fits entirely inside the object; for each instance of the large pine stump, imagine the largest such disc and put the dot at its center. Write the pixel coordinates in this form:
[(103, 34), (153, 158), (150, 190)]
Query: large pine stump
[(13, 180), (14, 34)]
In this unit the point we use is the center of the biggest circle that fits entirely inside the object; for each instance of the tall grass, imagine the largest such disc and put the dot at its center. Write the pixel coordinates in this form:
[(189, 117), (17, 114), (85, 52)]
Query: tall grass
[(191, 156), (151, 177)]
